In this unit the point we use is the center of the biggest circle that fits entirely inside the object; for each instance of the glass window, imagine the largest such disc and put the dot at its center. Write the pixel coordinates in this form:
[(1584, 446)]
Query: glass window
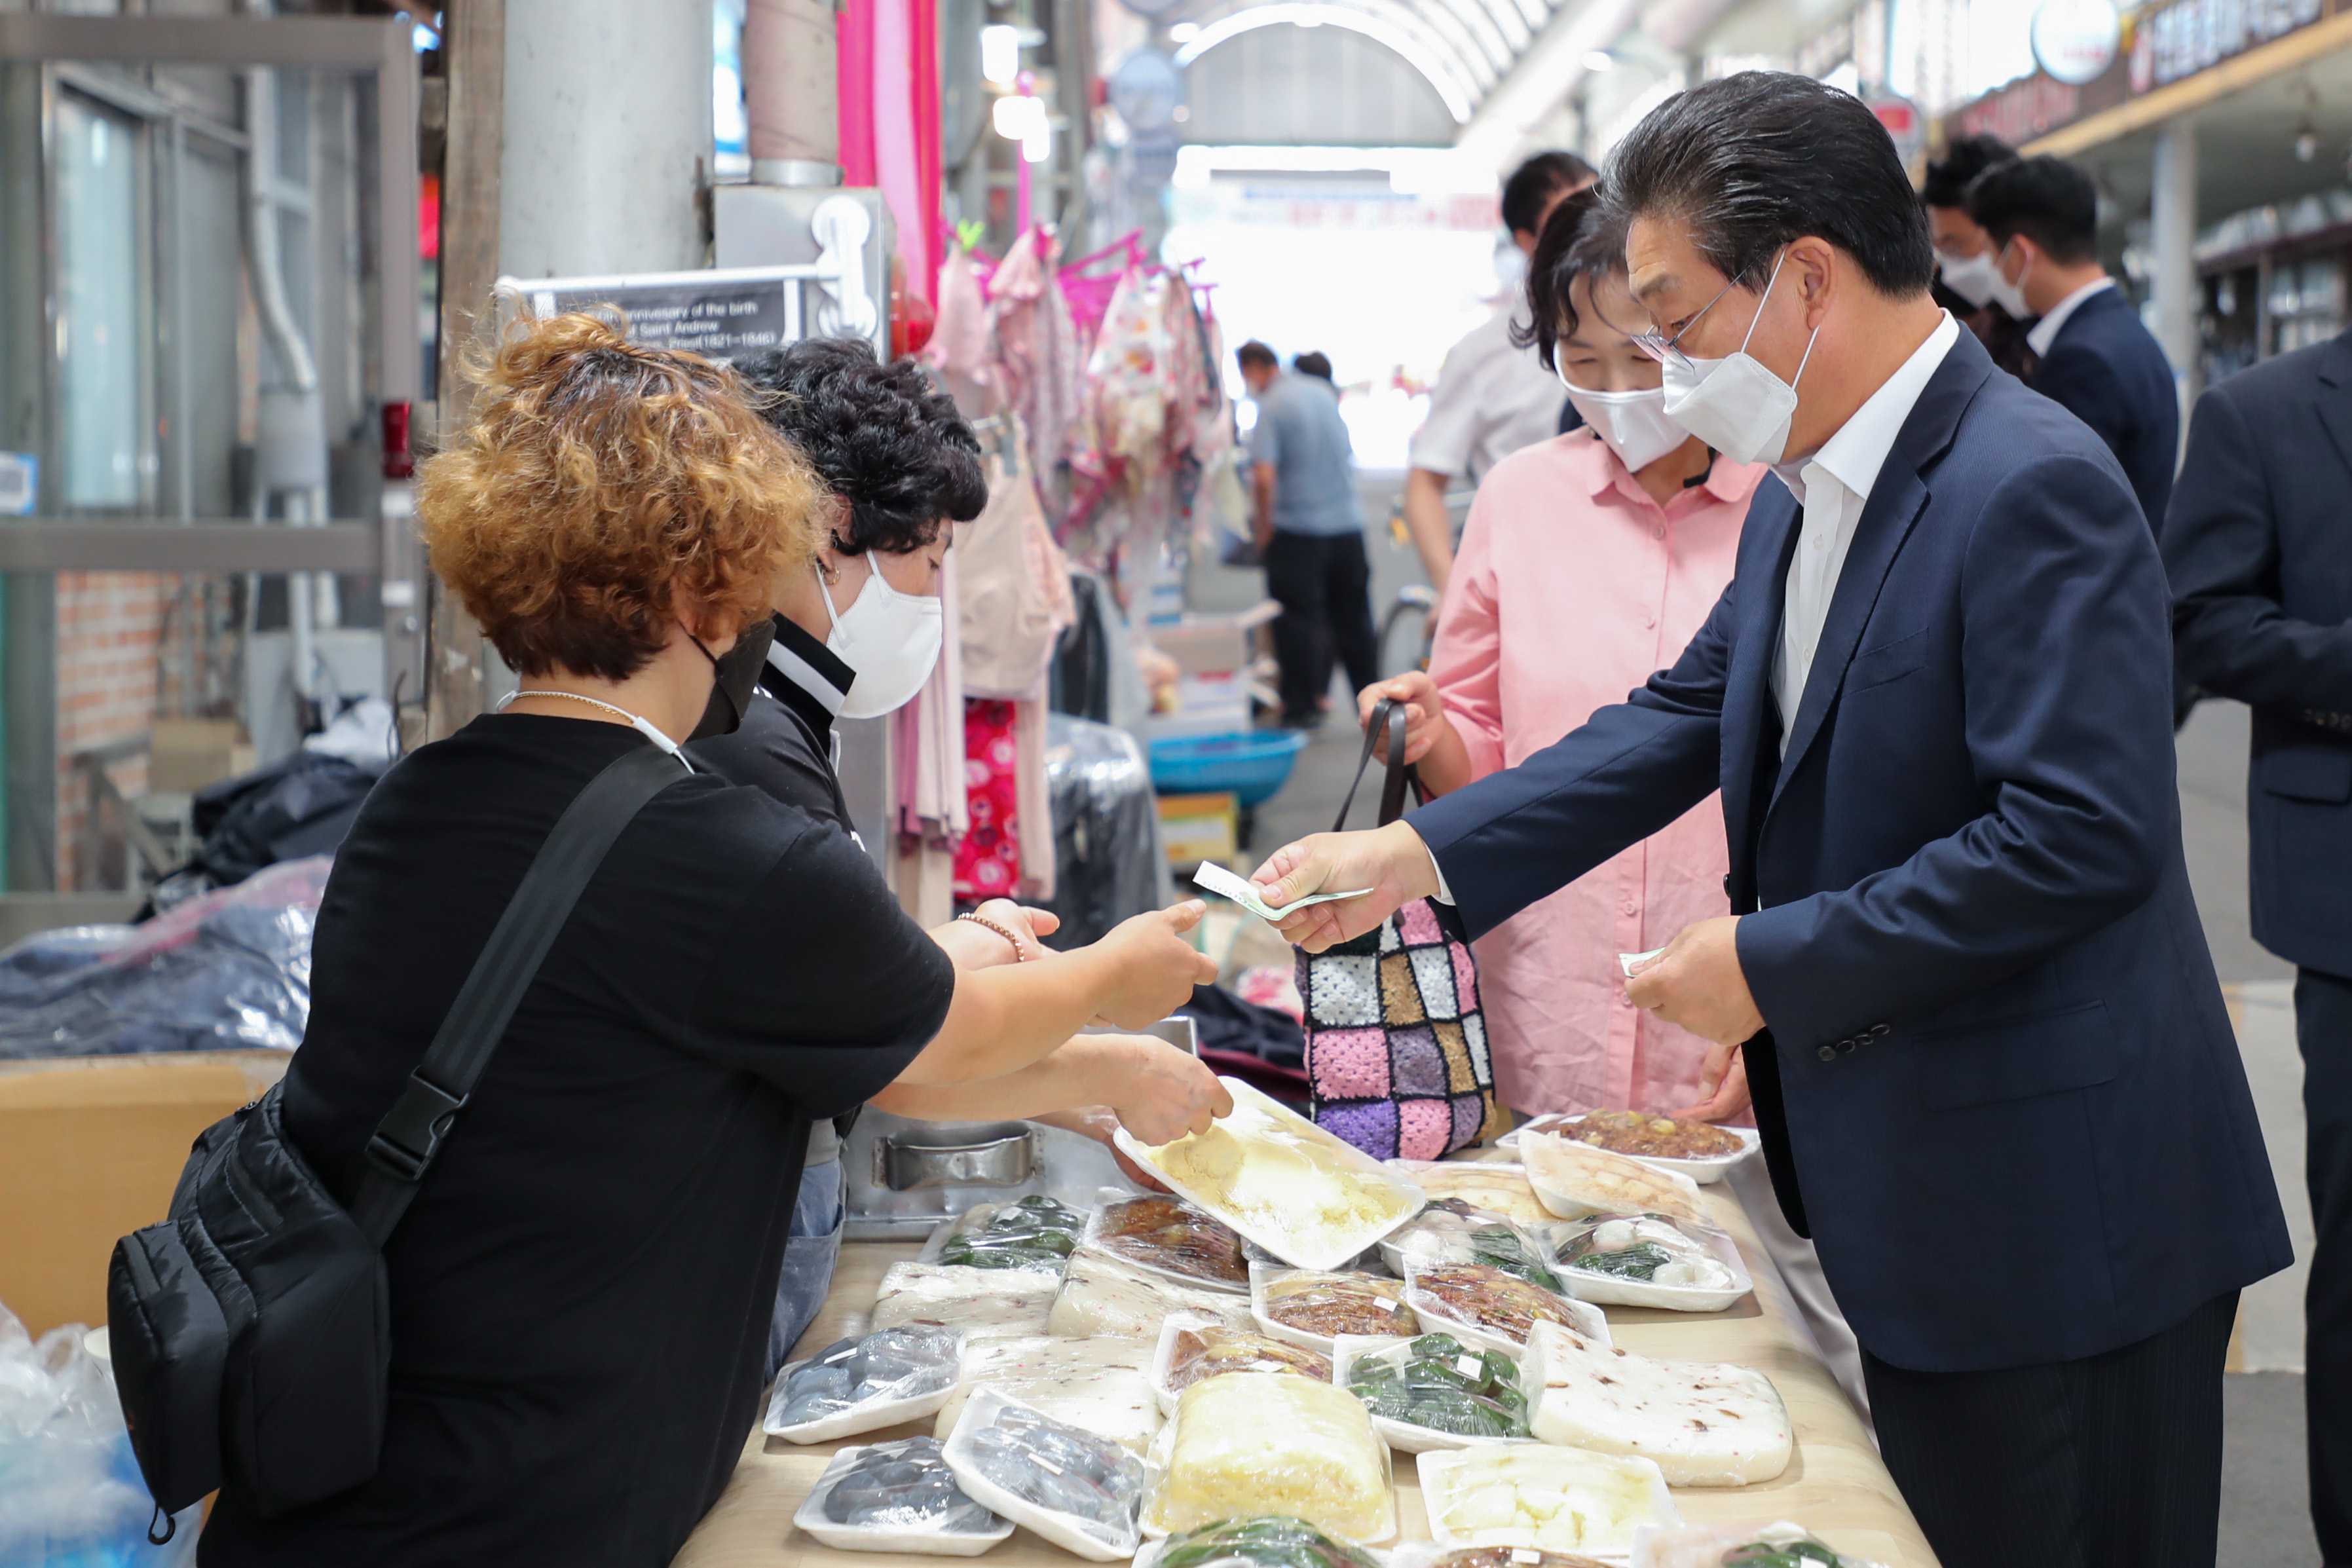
[(97, 305)]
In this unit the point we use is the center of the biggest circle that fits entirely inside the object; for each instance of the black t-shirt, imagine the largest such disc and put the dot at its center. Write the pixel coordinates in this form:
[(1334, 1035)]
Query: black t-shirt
[(581, 1293), (784, 744)]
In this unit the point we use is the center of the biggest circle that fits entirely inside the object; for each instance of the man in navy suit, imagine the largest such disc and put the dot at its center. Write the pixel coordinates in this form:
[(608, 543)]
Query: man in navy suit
[(2258, 546), (2097, 362), (1988, 1056)]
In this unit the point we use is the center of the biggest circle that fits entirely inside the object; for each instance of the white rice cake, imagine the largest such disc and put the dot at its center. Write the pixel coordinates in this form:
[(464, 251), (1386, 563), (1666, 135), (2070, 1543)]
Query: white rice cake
[(1099, 1383), (1105, 1295), (1707, 1423), (1491, 1186), (985, 1303), (1576, 1179), (1258, 1443), (1532, 1496)]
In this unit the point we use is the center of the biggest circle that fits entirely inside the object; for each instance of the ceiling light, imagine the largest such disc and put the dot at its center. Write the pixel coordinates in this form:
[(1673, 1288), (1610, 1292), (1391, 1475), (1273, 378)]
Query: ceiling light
[(1599, 61), (1184, 32), (1000, 54), (1019, 117)]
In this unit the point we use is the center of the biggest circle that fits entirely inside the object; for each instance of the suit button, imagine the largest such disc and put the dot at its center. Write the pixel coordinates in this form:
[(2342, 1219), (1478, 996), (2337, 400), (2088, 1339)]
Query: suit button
[(1848, 1046), (1726, 884), (1827, 1053), (1880, 1031)]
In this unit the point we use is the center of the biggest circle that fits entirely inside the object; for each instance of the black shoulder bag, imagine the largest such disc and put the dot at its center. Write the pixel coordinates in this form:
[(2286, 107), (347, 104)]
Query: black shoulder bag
[(250, 1330)]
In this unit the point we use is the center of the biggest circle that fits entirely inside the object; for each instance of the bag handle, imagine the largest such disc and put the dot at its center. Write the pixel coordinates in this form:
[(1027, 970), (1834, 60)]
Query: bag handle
[(1388, 716), (409, 1136)]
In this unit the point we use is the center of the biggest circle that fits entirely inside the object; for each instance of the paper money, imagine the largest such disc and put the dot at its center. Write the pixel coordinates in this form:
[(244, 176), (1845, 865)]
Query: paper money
[(1241, 891)]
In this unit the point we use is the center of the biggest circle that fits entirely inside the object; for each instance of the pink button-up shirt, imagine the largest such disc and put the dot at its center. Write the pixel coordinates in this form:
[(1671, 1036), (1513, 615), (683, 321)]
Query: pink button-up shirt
[(1572, 586)]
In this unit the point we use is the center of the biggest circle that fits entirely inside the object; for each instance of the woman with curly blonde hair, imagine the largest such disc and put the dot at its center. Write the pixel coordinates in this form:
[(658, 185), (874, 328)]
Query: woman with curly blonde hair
[(580, 1291)]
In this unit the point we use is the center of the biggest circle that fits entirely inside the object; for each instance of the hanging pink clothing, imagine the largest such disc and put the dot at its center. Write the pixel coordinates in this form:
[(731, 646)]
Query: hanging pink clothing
[(1572, 586), (988, 858)]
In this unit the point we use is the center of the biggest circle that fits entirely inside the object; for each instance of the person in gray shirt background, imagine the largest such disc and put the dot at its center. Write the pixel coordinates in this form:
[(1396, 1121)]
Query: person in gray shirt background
[(1309, 527)]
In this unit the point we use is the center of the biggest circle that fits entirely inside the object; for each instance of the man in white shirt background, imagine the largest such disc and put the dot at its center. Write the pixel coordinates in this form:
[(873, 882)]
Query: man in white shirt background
[(1967, 989), (1491, 398)]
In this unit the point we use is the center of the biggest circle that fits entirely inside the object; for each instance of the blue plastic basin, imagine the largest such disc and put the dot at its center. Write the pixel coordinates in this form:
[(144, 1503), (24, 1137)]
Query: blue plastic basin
[(1253, 764)]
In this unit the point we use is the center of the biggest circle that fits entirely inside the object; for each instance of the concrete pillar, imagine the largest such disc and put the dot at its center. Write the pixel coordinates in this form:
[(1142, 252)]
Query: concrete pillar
[(607, 136), (791, 92), (2175, 291)]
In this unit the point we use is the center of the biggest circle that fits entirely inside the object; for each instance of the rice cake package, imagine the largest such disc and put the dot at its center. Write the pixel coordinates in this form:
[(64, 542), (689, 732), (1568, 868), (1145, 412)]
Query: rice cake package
[(1079, 1491), (1778, 1545), (1266, 1541), (1099, 1383), (1706, 1424), (899, 1498), (985, 1303), (1255, 1442), (862, 1386), (1575, 1179), (1105, 1295), (1193, 1349), (1536, 1496)]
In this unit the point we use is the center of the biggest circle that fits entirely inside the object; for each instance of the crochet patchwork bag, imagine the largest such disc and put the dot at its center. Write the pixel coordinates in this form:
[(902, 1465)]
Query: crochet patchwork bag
[(1396, 1048)]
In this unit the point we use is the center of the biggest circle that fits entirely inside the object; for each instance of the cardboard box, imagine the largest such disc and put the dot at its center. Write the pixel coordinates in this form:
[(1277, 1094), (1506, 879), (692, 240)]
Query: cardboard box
[(1212, 645), (91, 1149), (186, 754), (1197, 827)]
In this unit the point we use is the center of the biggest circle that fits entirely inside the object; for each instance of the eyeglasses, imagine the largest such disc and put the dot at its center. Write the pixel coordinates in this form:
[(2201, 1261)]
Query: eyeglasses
[(1660, 347)]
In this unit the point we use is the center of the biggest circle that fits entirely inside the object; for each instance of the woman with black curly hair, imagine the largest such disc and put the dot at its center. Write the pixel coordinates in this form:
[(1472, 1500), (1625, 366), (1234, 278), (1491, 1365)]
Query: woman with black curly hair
[(854, 638)]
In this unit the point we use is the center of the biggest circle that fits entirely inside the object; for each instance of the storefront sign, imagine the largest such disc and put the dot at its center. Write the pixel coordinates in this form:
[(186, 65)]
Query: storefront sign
[(2075, 40), (2021, 110), (1904, 123), (2186, 37)]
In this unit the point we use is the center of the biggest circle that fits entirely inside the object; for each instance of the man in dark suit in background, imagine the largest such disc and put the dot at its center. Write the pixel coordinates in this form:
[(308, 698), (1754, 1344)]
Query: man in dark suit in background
[(2097, 362), (2258, 546), (1994, 1077)]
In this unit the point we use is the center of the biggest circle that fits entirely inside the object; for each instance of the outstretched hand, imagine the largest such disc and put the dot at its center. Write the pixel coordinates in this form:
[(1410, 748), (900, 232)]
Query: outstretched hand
[(1391, 861)]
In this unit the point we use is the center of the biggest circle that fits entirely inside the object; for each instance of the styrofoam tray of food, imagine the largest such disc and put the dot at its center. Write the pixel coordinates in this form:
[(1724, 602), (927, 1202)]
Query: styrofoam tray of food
[(1699, 1150), (1164, 1235), (1704, 1424), (1254, 1444), (897, 1497), (1081, 1492), (1491, 1309), (1576, 1179), (864, 1384), (1544, 1498), (1193, 1348), (1489, 1184), (1097, 1382), (1435, 1391), (1643, 1260), (1714, 1545), (1284, 1183), (1101, 1294), (1312, 1308)]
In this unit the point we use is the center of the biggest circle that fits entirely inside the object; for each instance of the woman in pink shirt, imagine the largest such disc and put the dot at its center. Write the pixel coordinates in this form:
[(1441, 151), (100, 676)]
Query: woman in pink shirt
[(1587, 562)]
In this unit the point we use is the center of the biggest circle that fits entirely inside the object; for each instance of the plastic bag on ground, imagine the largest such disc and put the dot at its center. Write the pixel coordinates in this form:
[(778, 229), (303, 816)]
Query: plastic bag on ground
[(71, 1496), (229, 971)]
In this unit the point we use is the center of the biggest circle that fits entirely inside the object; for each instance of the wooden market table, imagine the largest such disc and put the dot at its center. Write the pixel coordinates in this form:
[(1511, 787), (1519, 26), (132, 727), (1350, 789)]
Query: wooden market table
[(1835, 1484)]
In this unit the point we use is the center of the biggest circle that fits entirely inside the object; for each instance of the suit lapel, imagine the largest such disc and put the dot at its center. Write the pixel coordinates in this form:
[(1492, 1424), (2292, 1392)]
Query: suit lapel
[(1897, 497), (2335, 399), (1748, 692)]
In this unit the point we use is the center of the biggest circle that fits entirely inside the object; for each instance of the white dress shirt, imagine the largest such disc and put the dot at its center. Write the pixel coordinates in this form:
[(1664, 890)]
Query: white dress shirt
[(2043, 332), (1490, 400), (1833, 486)]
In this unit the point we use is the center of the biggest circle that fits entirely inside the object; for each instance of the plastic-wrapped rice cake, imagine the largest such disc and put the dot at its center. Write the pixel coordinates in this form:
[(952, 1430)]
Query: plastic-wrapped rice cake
[(1706, 1424), (827, 1395), (983, 1302), (1103, 1295), (1260, 1443), (1099, 1383), (1535, 1495)]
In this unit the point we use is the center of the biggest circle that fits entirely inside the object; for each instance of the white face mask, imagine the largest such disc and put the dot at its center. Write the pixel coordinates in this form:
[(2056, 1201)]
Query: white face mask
[(1735, 405), (1633, 424), (891, 639), (1974, 280), (2010, 297)]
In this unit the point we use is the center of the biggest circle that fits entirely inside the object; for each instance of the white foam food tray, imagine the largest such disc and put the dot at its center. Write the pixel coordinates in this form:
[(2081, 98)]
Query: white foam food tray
[(1705, 1171), (1403, 1435), (1281, 1181)]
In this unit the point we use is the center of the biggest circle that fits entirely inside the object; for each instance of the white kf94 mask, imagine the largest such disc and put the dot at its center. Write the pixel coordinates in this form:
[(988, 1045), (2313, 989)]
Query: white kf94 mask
[(1633, 424), (1735, 405)]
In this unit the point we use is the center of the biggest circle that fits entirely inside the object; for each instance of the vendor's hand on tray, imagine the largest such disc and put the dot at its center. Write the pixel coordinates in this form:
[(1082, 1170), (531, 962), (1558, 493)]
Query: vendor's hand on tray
[(1153, 968), (1425, 712), (1391, 861), (1098, 1122), (1163, 1092)]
